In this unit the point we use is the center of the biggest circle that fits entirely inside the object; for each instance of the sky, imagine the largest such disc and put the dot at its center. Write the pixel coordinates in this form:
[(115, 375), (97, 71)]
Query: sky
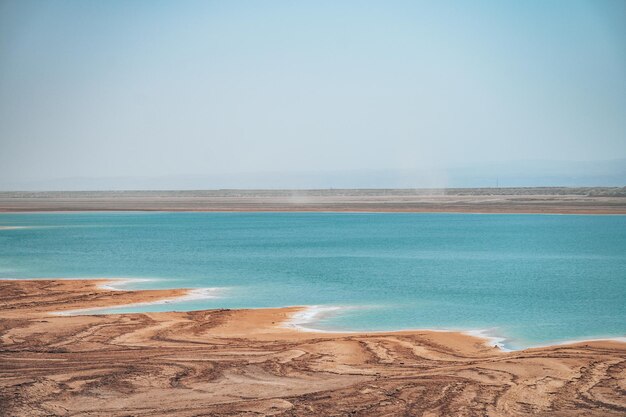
[(164, 89)]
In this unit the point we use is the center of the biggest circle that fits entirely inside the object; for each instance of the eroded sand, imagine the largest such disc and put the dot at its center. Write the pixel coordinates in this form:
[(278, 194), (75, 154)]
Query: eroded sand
[(242, 362)]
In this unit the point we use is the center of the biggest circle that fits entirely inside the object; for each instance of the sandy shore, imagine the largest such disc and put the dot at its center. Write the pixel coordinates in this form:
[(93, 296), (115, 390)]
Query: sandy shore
[(246, 362)]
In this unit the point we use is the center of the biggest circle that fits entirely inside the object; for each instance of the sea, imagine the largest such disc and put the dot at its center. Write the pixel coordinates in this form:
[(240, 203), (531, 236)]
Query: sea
[(523, 280)]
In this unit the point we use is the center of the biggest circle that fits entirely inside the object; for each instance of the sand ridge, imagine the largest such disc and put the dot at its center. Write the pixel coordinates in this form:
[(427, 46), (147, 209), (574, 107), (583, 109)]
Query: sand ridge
[(246, 363)]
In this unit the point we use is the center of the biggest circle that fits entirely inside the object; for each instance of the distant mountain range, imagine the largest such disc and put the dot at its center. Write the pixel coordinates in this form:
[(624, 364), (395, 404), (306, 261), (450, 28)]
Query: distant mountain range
[(535, 173)]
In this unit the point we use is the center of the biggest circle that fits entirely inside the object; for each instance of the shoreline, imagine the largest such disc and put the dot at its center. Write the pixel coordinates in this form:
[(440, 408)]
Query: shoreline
[(555, 212), (296, 320), (527, 200), (299, 319), (308, 312), (246, 362)]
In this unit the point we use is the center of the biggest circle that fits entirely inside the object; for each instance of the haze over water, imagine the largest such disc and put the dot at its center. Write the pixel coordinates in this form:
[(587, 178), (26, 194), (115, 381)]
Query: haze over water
[(533, 279)]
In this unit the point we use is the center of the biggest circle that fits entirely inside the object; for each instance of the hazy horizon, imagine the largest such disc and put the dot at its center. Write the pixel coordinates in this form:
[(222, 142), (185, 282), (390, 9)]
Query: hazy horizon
[(609, 173), (115, 95)]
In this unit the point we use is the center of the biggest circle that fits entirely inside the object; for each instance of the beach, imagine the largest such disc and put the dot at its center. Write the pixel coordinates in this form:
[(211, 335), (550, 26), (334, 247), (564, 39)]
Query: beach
[(251, 362)]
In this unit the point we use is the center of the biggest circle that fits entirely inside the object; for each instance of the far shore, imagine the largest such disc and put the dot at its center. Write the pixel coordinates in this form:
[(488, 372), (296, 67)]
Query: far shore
[(248, 362), (548, 200)]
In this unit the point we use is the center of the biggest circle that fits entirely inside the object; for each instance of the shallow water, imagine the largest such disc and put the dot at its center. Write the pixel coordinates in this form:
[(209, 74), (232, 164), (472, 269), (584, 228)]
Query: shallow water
[(533, 279)]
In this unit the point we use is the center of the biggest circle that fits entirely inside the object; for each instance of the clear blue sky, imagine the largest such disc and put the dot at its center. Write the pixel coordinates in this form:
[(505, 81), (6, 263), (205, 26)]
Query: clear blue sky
[(156, 88)]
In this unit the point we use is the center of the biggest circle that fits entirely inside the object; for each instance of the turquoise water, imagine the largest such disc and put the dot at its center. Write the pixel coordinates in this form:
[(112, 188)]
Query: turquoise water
[(533, 279)]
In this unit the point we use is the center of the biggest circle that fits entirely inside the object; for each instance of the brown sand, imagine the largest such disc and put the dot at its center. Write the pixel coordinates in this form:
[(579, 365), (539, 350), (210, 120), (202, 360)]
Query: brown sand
[(242, 362)]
